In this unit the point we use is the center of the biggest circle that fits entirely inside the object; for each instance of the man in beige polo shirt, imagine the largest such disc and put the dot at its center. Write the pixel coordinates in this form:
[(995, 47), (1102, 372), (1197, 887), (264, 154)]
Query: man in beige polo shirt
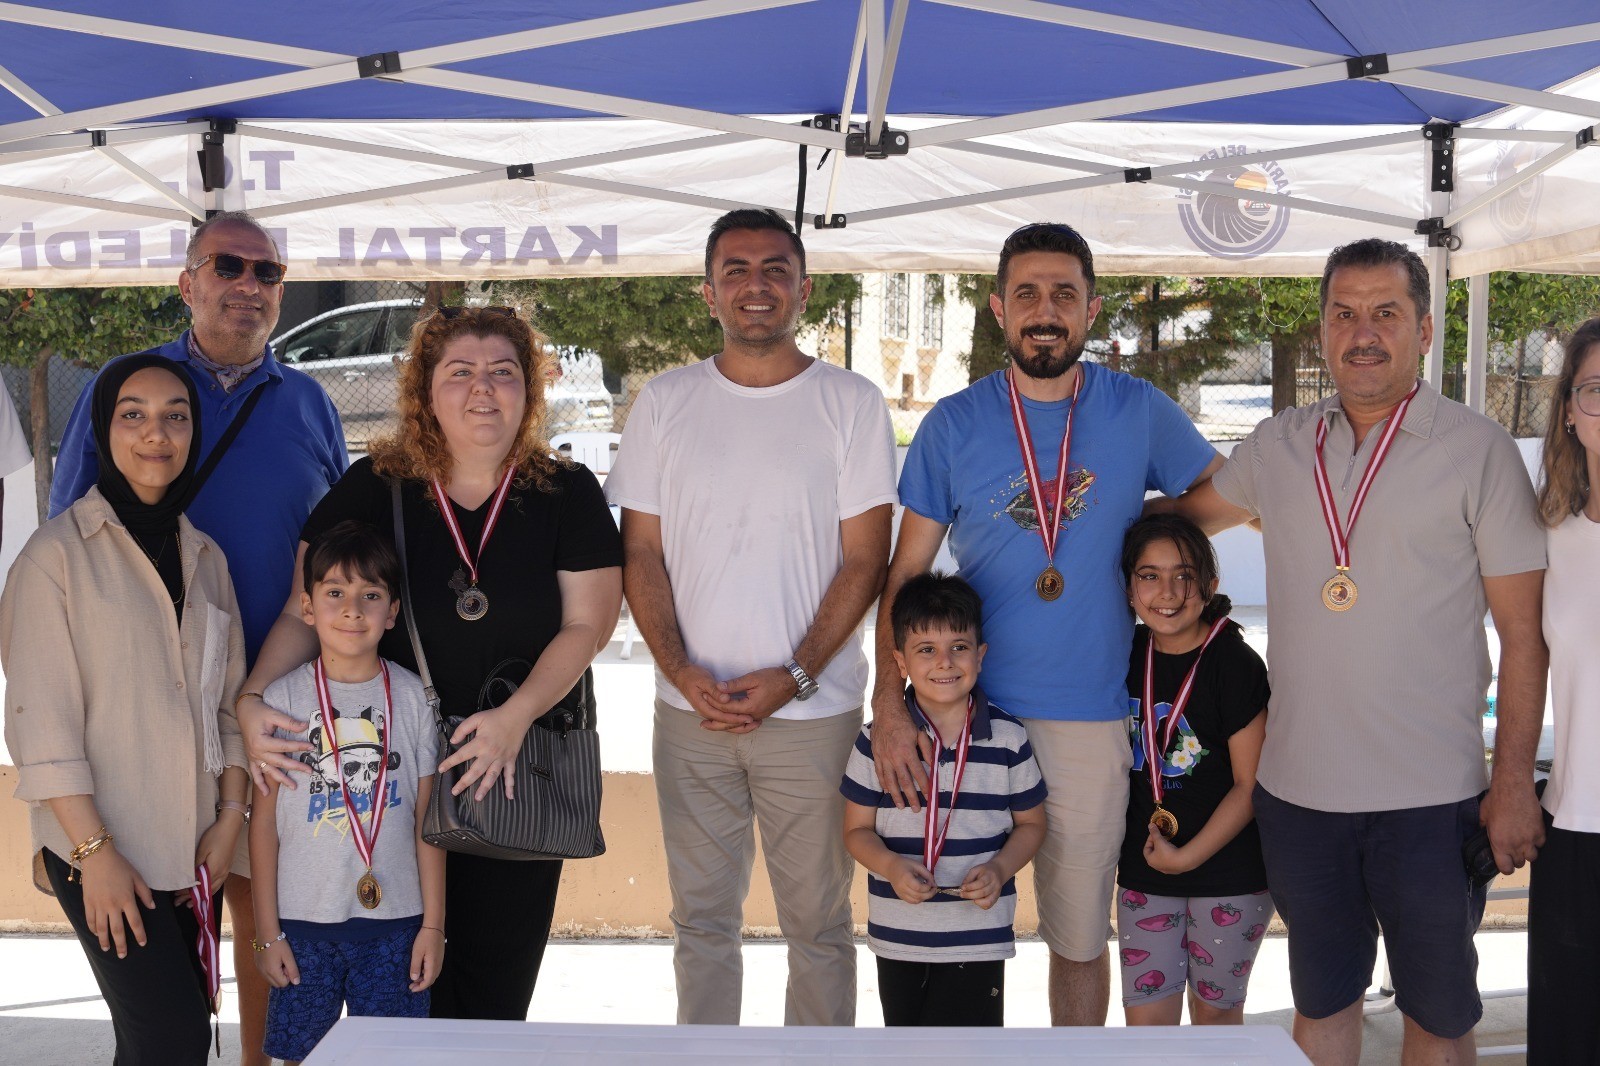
[(1378, 576)]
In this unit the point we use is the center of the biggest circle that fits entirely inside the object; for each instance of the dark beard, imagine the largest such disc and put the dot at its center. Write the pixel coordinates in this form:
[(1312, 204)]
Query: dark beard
[(1044, 367)]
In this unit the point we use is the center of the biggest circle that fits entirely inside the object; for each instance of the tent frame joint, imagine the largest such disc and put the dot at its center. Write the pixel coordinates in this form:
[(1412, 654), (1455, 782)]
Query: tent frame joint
[(1439, 235), (1585, 137), (828, 221), (378, 64), (519, 172), (890, 142), (1442, 170), (1371, 66), (1136, 174), (213, 169)]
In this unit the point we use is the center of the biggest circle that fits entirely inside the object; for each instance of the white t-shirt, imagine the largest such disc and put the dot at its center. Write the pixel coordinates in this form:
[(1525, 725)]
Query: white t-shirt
[(751, 485), (1571, 589), (14, 453)]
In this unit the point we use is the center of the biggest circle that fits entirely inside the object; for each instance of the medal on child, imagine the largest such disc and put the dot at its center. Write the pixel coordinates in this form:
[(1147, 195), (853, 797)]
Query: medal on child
[(368, 892), (1050, 584), (1339, 591), (1155, 754), (471, 603), (933, 837)]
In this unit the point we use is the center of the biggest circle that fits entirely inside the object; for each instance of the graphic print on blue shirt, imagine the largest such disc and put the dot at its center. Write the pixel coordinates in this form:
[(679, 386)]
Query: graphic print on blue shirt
[(1183, 755), (357, 758), (1022, 510)]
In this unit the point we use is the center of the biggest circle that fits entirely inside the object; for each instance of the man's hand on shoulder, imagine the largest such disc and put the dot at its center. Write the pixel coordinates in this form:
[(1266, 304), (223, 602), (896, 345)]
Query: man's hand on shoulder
[(900, 751)]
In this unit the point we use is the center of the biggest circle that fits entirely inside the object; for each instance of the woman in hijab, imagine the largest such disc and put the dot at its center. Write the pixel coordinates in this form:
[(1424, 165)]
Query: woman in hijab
[(122, 650)]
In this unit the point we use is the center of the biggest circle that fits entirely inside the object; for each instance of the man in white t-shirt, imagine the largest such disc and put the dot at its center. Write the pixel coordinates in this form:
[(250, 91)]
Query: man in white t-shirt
[(14, 454), (756, 488)]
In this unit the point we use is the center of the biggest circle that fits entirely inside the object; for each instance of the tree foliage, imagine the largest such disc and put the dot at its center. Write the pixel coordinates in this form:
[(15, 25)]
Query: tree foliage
[(83, 325), (646, 324)]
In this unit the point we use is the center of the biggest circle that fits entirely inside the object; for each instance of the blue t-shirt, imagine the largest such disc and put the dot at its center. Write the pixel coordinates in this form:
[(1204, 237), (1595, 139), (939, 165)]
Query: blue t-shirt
[(1065, 660), (283, 462)]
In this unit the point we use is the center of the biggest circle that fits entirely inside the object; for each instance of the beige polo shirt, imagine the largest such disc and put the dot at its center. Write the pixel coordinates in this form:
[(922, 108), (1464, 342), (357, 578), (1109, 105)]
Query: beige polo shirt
[(1379, 707)]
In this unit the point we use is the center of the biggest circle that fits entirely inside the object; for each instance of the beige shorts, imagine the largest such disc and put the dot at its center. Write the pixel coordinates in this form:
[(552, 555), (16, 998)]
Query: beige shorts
[(1085, 767)]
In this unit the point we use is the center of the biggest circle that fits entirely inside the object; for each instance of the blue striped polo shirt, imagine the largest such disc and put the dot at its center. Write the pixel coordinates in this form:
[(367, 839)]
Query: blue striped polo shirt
[(1001, 777)]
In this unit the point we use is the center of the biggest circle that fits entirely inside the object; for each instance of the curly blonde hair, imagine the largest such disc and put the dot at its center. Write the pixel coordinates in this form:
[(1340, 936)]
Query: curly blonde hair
[(1564, 477), (417, 449)]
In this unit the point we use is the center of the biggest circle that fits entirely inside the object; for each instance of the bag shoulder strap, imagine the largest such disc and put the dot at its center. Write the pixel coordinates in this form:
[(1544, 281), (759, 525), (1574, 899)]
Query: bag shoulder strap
[(405, 601), (228, 437)]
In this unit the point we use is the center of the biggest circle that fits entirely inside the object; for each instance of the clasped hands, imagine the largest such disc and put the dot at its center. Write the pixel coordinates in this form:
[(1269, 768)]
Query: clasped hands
[(737, 705)]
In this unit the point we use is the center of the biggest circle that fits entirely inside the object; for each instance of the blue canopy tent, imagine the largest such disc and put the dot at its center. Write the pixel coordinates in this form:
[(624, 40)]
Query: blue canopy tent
[(505, 138)]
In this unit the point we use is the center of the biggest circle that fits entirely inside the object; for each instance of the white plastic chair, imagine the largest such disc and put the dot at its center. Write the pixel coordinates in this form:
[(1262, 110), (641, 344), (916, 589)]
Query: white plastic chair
[(593, 450)]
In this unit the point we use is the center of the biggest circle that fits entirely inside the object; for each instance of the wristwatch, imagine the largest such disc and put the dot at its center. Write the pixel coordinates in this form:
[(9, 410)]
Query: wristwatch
[(807, 686)]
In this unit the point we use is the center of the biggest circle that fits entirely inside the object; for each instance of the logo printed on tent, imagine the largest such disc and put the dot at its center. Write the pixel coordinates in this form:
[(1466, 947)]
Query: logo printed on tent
[(1235, 226)]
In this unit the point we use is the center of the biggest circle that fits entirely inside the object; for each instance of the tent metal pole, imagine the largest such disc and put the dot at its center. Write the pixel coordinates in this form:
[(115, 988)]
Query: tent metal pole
[(28, 15), (879, 106), (267, 133), (1377, 218), (714, 203), (189, 100), (1525, 175), (1144, 29), (1468, 133), (1274, 155), (599, 103), (1137, 103), (322, 203), (1490, 90), (1477, 341), (1438, 260), (26, 93), (847, 106), (1444, 55), (94, 204), (872, 11), (586, 30)]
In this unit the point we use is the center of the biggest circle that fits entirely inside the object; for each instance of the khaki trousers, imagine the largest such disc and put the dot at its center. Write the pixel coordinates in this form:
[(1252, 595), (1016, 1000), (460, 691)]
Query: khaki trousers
[(713, 789)]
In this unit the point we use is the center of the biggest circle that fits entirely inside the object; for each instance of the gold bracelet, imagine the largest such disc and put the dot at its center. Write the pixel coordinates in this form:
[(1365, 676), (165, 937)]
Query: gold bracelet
[(258, 946), (84, 850), (242, 695)]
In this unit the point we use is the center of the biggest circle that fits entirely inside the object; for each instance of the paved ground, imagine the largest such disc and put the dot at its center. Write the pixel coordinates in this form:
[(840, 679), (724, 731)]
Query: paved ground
[(52, 1015)]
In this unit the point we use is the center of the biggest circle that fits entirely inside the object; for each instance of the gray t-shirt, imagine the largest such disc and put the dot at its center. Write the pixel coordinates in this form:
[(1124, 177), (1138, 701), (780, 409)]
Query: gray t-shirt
[(1379, 707), (318, 865)]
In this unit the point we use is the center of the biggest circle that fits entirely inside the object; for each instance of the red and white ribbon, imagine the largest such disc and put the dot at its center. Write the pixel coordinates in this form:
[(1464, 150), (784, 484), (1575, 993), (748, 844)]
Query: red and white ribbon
[(365, 836), (1049, 526), (206, 943), (449, 515), (933, 837), (1340, 535), (1155, 756)]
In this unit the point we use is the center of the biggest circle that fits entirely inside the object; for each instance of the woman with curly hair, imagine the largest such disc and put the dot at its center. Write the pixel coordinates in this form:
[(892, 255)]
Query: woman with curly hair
[(510, 553)]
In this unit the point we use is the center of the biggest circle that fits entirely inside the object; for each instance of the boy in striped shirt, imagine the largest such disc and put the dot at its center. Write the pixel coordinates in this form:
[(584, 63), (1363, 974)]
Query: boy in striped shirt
[(941, 899)]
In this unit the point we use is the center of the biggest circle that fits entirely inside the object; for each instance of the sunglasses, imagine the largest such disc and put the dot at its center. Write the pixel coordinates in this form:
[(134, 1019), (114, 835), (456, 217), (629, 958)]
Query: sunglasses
[(456, 311), (228, 266)]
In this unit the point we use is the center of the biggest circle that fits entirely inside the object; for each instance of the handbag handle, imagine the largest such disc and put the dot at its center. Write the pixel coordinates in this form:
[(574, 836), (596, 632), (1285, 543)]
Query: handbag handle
[(405, 604)]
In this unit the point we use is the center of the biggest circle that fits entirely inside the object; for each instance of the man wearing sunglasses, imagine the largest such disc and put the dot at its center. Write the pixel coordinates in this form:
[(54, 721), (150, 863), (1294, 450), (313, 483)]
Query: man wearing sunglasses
[(287, 450)]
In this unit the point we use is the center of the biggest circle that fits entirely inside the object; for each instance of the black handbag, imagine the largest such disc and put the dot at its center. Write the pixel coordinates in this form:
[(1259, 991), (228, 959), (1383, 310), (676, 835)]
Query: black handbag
[(555, 813)]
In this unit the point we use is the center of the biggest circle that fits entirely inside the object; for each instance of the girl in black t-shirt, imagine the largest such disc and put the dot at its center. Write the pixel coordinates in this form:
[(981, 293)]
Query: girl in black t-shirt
[(1192, 903)]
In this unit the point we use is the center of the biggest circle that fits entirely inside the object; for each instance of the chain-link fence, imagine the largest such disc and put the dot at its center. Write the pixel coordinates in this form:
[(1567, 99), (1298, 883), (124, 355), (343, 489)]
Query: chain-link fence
[(912, 335)]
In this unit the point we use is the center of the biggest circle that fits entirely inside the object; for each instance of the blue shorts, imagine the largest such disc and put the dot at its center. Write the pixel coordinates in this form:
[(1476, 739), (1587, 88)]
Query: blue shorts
[(372, 977), (1338, 878)]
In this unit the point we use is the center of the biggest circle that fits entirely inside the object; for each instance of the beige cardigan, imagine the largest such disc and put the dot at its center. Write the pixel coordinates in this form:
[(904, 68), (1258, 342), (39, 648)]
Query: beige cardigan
[(106, 695)]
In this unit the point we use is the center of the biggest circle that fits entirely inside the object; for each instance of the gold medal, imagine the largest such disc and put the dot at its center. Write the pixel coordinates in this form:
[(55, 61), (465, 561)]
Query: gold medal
[(1165, 821), (368, 894), (1050, 584), (1339, 592)]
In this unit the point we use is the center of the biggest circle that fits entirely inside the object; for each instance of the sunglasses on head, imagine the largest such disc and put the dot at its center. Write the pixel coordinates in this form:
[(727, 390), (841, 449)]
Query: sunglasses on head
[(228, 266), (456, 311)]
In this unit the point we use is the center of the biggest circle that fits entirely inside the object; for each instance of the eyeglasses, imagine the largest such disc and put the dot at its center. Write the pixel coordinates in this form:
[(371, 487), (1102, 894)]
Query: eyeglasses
[(1588, 397), (228, 266), (456, 311)]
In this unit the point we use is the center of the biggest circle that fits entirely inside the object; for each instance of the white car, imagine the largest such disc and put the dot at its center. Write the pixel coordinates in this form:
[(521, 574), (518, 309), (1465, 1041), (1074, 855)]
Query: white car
[(351, 352)]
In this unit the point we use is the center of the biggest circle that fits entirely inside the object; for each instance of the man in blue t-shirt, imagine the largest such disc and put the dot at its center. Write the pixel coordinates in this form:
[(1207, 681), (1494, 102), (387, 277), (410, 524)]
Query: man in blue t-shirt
[(1055, 611), (286, 455)]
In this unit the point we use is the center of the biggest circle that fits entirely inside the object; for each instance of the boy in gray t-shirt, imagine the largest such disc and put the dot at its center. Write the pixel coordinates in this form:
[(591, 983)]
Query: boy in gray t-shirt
[(349, 907)]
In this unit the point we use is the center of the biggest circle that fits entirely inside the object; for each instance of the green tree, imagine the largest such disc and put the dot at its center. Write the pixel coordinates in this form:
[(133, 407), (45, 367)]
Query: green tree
[(87, 326), (646, 324)]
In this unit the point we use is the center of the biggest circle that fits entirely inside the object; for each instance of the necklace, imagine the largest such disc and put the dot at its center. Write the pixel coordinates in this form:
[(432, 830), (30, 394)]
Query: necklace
[(155, 561)]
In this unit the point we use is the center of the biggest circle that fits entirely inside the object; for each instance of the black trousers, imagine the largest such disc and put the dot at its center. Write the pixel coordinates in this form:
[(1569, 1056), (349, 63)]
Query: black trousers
[(942, 993), (497, 917), (157, 994), (1563, 949)]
